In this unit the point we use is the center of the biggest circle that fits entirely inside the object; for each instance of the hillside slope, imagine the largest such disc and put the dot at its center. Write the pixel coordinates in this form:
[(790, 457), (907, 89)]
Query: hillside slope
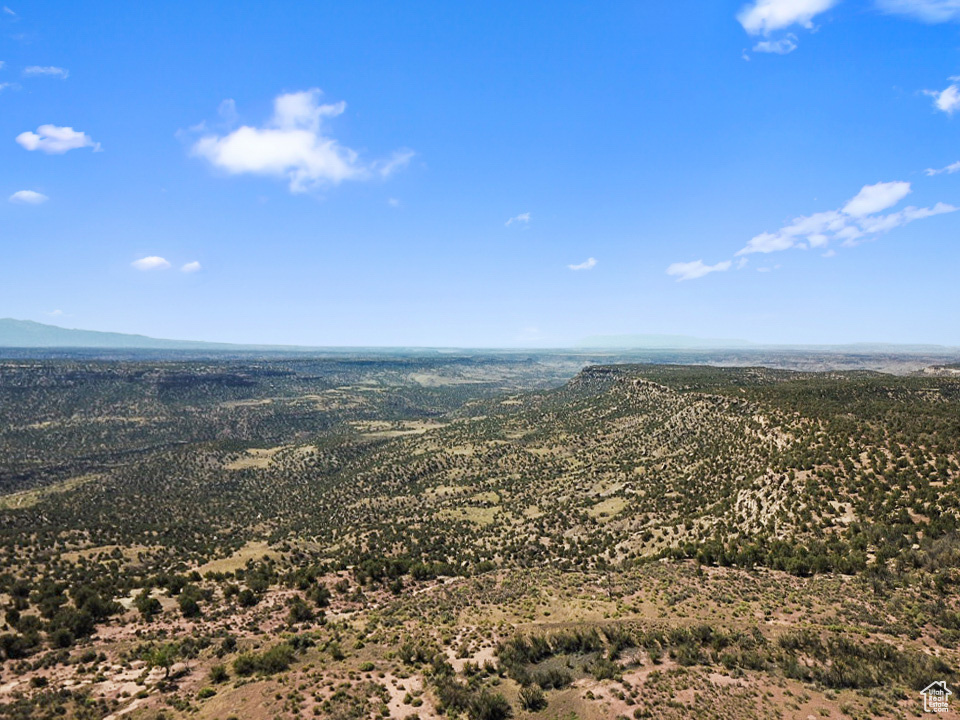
[(437, 538)]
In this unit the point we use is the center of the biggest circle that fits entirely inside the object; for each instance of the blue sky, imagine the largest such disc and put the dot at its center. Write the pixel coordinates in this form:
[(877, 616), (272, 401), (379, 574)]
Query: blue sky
[(483, 174)]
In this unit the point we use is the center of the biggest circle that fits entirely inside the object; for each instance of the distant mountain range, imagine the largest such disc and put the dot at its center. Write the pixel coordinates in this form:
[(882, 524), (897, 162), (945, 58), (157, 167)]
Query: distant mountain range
[(658, 342), (687, 342), (29, 334)]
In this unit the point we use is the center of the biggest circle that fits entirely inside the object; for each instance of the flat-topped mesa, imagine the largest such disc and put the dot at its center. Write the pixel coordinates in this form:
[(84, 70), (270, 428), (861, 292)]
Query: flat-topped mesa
[(596, 377), (606, 375), (599, 372)]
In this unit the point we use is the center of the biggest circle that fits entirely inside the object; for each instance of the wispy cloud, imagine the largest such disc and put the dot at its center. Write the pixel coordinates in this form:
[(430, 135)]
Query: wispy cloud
[(152, 262), (855, 222), (28, 197), (783, 46), (294, 145), (8, 11), (860, 219), (949, 169), (399, 160), (55, 140), (948, 99), (696, 269), (49, 70), (931, 11), (587, 264), (191, 267), (765, 16), (227, 110), (521, 218), (884, 223)]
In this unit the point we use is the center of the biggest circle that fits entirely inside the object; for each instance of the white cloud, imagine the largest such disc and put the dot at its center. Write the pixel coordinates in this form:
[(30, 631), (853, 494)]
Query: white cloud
[(56, 313), (50, 70), (28, 197), (151, 262), (227, 110), (874, 198), (55, 140), (931, 11), (783, 46), (764, 16), (855, 222), (885, 223), (190, 267), (8, 11), (5, 85), (696, 269), (802, 227), (521, 218), (947, 100), (767, 242), (393, 202), (949, 169), (293, 145), (399, 160), (587, 264)]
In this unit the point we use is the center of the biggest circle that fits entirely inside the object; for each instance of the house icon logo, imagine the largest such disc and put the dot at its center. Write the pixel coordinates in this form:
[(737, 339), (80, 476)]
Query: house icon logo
[(936, 697)]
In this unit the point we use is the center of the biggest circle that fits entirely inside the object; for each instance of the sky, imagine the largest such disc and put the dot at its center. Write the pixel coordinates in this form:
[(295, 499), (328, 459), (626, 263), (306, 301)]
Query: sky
[(483, 174)]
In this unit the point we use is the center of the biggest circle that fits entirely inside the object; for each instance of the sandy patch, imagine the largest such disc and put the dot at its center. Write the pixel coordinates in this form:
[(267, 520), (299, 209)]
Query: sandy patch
[(254, 458), (254, 550)]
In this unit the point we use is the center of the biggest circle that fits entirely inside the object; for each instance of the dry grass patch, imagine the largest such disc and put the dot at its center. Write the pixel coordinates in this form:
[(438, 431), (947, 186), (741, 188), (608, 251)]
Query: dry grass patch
[(254, 458), (29, 498), (251, 551), (608, 508), (481, 516), (388, 429)]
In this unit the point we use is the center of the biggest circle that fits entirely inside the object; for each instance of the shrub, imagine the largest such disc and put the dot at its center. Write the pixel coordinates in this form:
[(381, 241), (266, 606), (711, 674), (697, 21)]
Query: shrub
[(219, 674), (245, 664), (487, 706), (61, 638), (300, 612), (335, 652), (532, 698), (275, 660), (603, 669), (189, 606), (147, 605), (552, 678)]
